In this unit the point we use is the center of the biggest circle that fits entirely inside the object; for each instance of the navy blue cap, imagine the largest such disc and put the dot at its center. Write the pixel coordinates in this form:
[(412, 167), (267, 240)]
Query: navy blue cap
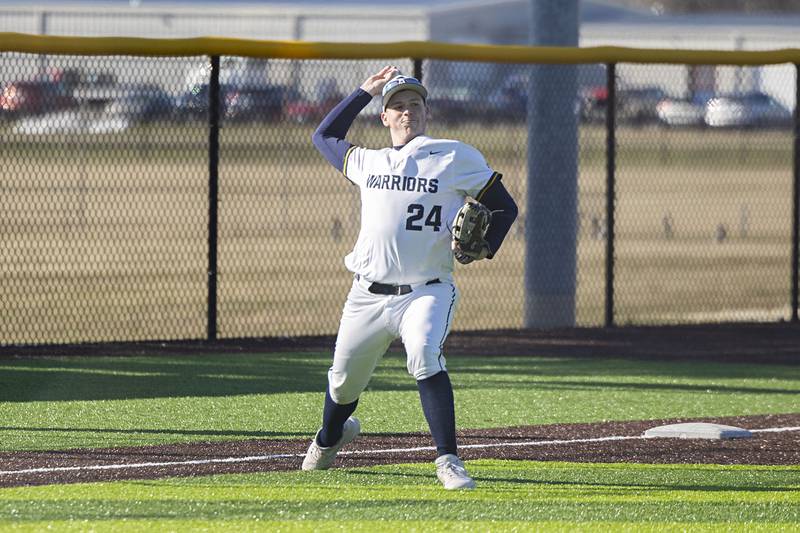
[(403, 83)]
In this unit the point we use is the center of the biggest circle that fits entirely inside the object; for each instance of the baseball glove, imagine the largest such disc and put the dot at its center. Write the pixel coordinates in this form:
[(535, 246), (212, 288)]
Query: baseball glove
[(469, 232)]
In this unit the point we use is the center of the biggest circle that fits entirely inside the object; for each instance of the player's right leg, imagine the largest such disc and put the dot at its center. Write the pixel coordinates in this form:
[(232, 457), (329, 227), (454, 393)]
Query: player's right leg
[(361, 342), (321, 457)]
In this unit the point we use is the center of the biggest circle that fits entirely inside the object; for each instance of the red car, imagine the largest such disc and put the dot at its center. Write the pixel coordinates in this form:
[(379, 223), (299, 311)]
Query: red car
[(308, 111), (21, 98)]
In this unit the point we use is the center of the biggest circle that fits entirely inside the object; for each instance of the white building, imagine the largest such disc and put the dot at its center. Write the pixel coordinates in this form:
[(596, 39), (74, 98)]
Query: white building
[(472, 21)]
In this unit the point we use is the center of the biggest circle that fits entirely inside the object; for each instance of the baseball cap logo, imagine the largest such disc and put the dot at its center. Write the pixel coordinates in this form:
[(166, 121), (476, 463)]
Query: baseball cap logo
[(403, 83)]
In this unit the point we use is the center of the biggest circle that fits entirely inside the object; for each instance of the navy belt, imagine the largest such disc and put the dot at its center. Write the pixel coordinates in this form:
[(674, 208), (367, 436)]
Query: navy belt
[(395, 290)]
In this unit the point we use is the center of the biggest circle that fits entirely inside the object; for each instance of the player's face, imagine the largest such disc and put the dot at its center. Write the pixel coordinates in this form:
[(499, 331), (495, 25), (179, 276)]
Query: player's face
[(406, 116)]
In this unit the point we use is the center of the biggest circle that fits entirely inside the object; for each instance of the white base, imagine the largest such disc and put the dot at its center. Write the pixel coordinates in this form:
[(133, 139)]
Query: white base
[(698, 430)]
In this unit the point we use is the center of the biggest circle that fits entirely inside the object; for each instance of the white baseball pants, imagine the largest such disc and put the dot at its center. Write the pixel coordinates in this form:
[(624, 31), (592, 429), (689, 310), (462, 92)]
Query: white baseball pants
[(369, 324)]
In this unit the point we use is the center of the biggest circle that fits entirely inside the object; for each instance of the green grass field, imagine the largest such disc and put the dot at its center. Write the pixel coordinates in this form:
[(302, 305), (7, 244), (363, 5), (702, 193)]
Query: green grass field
[(52, 403), (102, 401), (513, 496), (104, 237)]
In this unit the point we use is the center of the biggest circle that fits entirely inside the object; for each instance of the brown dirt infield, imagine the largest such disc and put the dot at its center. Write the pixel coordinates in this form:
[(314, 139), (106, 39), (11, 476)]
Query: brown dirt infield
[(780, 448)]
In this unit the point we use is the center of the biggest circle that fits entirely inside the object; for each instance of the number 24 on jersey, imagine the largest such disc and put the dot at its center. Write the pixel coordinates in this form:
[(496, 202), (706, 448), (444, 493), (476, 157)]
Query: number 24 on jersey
[(417, 213)]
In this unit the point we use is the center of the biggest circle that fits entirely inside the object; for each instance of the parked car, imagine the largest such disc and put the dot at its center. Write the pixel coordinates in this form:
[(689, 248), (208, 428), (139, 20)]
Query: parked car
[(592, 103), (509, 101), (453, 105), (24, 98), (255, 103), (633, 105), (235, 71), (682, 111), (303, 110), (236, 103), (142, 103), (193, 104), (638, 105), (755, 109)]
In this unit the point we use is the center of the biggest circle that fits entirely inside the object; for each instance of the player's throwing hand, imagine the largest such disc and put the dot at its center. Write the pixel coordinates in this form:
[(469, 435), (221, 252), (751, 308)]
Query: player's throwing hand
[(375, 83)]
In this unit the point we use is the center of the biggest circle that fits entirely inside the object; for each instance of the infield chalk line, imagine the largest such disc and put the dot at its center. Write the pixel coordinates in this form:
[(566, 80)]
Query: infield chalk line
[(254, 458), (773, 430)]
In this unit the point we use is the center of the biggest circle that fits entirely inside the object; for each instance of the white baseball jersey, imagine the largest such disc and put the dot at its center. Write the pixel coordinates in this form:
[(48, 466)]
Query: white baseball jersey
[(409, 197)]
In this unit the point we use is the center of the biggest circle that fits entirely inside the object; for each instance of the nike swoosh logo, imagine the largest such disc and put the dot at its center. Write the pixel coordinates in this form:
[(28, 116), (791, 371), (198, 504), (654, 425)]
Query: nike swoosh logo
[(437, 152)]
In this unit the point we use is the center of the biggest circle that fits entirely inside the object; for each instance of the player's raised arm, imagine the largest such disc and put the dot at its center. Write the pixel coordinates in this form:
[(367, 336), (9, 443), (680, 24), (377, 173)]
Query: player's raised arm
[(329, 137)]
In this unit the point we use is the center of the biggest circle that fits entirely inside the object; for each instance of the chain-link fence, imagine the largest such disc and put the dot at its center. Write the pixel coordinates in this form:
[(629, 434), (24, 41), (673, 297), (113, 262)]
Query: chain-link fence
[(105, 196)]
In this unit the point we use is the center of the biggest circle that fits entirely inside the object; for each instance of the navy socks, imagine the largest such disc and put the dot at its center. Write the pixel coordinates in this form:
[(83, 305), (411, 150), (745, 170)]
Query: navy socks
[(334, 416), (436, 395)]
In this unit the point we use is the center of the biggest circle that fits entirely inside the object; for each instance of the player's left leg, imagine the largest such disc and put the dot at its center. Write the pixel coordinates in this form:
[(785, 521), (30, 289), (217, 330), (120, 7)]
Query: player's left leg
[(424, 323), (424, 327)]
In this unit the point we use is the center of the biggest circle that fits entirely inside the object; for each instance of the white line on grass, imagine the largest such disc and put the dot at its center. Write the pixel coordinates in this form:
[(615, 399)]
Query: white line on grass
[(254, 458), (491, 445), (774, 430), (122, 466)]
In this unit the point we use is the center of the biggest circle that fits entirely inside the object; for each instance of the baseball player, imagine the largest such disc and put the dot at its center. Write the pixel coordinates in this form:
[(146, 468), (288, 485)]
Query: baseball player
[(402, 263)]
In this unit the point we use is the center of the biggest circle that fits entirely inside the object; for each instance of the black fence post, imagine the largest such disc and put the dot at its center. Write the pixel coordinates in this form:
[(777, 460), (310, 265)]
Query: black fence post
[(796, 192), (213, 195), (611, 147), (418, 69)]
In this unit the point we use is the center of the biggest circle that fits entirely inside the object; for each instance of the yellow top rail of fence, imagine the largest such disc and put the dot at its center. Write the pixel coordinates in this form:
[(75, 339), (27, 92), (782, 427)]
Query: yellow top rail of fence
[(209, 46)]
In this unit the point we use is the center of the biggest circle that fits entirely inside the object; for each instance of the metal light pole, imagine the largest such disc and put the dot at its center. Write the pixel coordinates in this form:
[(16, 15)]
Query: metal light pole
[(551, 204)]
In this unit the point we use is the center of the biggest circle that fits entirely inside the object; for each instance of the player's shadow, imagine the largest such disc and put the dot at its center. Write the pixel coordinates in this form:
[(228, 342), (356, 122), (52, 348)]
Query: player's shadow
[(619, 488), (116, 378), (206, 433), (577, 385)]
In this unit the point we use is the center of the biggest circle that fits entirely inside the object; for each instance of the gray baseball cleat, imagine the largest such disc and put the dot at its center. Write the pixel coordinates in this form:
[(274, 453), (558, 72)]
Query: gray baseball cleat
[(319, 458), (451, 472)]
